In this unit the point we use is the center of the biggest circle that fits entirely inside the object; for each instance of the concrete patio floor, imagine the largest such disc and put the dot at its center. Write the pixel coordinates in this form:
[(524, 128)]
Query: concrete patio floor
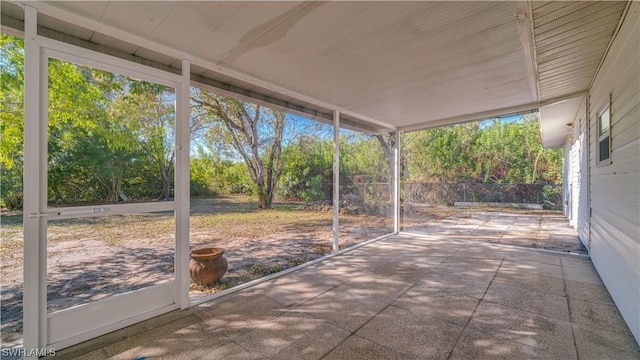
[(520, 227), (403, 297)]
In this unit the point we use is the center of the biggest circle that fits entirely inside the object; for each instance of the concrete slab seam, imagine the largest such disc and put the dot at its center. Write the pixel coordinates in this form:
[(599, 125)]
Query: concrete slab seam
[(475, 309), (573, 330), (353, 333)]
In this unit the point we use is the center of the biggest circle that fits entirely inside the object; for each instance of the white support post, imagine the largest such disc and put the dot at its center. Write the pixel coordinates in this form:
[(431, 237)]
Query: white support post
[(181, 196), (336, 179), (396, 182), (34, 229)]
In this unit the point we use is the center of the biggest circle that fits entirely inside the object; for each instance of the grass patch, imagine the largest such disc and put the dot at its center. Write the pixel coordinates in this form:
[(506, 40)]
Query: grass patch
[(258, 223)]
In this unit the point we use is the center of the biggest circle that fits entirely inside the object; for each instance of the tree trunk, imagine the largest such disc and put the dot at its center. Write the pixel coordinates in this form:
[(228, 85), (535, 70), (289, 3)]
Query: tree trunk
[(387, 143), (535, 168), (263, 200), (165, 172), (407, 187), (112, 184), (245, 124)]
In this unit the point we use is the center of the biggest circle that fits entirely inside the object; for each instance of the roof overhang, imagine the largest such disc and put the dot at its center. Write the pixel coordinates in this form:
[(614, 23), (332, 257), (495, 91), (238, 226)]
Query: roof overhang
[(556, 120), (385, 66)]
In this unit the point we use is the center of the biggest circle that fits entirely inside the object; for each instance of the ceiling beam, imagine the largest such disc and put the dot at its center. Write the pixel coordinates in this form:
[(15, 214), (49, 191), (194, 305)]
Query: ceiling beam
[(524, 16), (513, 110)]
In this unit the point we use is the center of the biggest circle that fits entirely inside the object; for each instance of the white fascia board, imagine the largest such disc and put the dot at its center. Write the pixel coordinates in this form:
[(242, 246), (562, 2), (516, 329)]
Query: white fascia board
[(472, 117), (524, 108)]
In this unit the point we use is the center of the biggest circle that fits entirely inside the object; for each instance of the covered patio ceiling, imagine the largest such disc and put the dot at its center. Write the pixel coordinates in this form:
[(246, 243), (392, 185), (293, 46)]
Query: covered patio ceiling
[(385, 65)]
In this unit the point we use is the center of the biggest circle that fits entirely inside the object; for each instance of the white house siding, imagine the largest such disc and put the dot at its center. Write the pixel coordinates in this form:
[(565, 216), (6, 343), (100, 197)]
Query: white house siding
[(615, 188), (575, 173), (582, 175), (567, 171), (574, 179)]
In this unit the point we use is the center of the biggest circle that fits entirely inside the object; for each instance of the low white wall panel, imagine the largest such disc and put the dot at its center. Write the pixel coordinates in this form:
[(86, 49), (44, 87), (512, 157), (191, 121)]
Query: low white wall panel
[(77, 323)]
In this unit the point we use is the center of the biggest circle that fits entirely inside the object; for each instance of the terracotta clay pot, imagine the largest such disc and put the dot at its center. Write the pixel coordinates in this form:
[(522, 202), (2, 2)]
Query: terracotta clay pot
[(207, 265)]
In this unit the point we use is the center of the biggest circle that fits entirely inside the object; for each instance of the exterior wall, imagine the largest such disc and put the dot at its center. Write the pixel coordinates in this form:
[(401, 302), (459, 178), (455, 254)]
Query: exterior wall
[(615, 188), (582, 221), (574, 178), (576, 186), (567, 168)]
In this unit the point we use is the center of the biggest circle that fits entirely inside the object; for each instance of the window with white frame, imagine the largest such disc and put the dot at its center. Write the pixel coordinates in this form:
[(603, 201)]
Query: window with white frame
[(604, 136)]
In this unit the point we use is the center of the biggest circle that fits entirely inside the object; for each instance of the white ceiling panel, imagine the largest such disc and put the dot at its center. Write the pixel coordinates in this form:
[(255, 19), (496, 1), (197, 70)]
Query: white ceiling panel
[(53, 23), (92, 10), (138, 17), (365, 47), (395, 51), (482, 92), (240, 28), (190, 22)]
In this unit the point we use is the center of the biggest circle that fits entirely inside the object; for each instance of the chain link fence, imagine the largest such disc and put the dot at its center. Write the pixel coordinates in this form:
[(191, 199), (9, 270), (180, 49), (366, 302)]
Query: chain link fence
[(376, 197), (547, 195)]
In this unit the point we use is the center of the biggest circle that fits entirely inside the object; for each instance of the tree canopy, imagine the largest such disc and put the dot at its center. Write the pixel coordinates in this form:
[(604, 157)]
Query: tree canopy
[(491, 151)]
